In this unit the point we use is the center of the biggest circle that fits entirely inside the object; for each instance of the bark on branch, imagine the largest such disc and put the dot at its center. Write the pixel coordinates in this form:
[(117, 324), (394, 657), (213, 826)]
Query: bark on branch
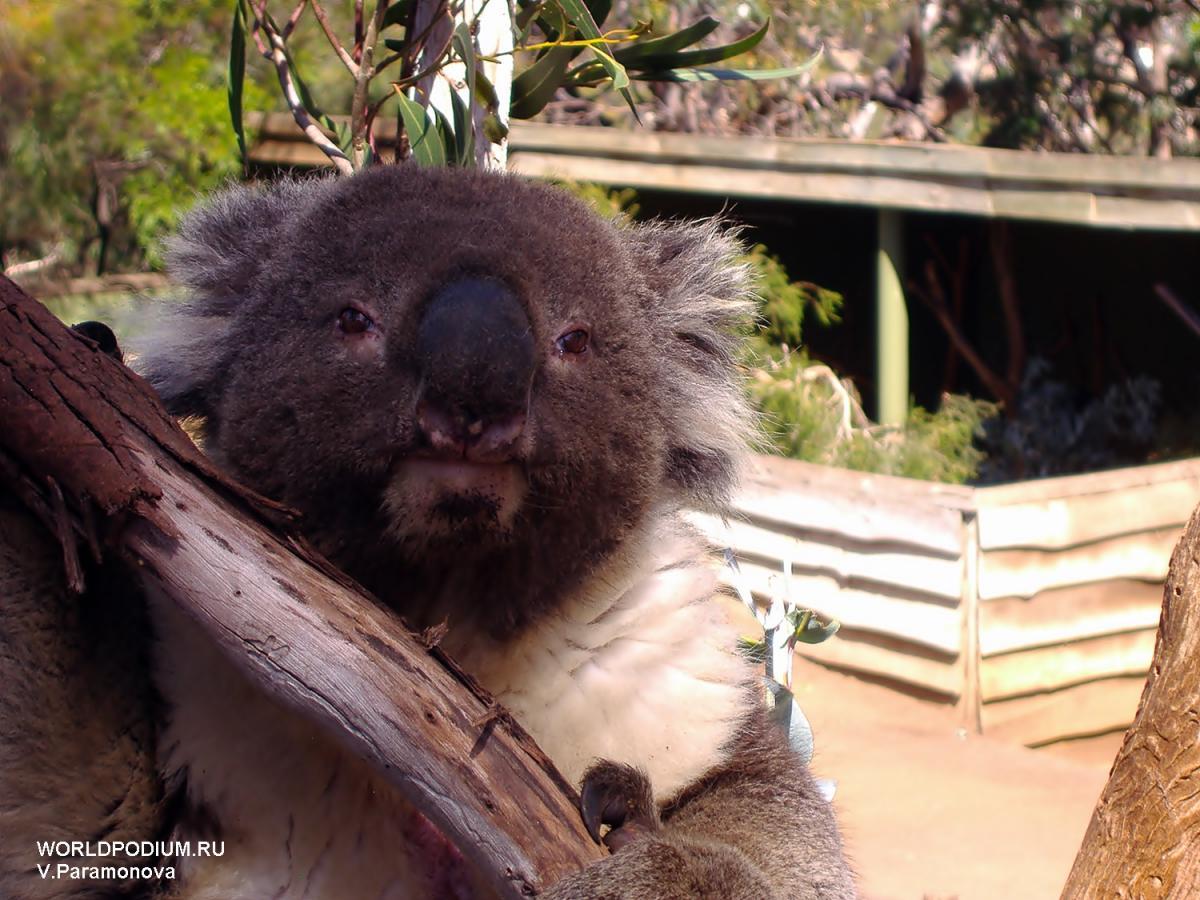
[(1144, 837), (86, 445)]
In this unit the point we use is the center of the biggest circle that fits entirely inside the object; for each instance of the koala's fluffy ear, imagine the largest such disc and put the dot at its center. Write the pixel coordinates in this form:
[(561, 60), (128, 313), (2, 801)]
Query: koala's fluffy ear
[(220, 247), (700, 296)]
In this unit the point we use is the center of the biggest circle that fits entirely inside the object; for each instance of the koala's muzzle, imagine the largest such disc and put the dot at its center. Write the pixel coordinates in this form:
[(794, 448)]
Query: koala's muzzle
[(476, 357)]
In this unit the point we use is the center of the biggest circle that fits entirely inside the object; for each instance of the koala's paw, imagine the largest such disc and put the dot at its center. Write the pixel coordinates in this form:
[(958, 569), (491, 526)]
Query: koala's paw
[(620, 797)]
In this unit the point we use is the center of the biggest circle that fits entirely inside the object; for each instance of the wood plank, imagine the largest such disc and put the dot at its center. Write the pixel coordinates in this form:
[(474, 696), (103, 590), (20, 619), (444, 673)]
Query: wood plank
[(880, 189), (866, 508), (933, 626), (1068, 614), (972, 692), (974, 165), (779, 471), (1053, 668), (890, 658), (1091, 708), (1091, 483), (1090, 509), (1023, 573), (1069, 188), (847, 562)]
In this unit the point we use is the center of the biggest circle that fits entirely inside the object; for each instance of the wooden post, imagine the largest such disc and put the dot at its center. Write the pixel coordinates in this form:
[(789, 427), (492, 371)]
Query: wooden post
[(891, 334), (970, 701)]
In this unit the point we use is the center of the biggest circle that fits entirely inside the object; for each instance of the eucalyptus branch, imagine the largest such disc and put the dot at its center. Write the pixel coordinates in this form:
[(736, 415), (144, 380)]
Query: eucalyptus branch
[(342, 52), (275, 51), (362, 84), (293, 19)]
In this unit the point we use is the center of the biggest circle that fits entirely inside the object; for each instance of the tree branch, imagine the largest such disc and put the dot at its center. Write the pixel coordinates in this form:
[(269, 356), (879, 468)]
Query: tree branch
[(1144, 836), (88, 448), (275, 50)]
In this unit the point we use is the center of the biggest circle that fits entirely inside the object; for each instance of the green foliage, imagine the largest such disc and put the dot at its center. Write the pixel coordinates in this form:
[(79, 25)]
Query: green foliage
[(610, 203), (787, 303), (813, 415), (115, 115), (1072, 76)]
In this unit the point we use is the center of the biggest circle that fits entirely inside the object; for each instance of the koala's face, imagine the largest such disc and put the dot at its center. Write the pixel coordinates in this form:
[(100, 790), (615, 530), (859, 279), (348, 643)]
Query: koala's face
[(453, 373)]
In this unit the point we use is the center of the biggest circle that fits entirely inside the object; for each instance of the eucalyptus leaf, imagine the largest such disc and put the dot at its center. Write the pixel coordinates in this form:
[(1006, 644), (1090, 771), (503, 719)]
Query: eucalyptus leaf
[(494, 129), (535, 86), (464, 133), (786, 713), (237, 77), (580, 16), (808, 628), (693, 75), (691, 58), (445, 133), (397, 14), (669, 43), (423, 139)]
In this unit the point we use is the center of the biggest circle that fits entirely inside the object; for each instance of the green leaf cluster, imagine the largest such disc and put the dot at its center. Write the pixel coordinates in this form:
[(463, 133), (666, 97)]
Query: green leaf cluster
[(568, 27), (811, 414)]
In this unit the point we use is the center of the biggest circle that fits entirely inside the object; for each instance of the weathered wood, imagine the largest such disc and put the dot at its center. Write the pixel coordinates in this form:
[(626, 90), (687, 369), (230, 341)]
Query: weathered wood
[(1144, 837), (1068, 614), (970, 701), (891, 659), (1024, 573), (856, 505), (847, 561), (76, 425), (1053, 668), (1091, 708), (1056, 513)]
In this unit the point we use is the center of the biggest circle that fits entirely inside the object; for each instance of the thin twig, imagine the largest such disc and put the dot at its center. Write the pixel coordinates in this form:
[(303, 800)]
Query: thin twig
[(293, 19), (341, 51), (935, 298), (276, 53), (1177, 306)]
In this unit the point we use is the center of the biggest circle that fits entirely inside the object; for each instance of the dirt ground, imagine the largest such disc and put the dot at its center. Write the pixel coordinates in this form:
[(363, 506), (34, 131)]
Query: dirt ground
[(930, 813)]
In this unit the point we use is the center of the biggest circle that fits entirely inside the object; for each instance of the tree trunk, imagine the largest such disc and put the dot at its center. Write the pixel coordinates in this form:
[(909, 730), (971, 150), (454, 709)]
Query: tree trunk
[(87, 446), (1144, 837)]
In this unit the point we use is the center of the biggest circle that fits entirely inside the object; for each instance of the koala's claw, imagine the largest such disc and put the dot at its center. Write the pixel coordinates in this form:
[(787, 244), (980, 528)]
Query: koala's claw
[(620, 797)]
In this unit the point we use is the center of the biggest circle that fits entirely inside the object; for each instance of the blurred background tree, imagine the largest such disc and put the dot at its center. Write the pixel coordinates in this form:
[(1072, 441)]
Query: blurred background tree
[(114, 114)]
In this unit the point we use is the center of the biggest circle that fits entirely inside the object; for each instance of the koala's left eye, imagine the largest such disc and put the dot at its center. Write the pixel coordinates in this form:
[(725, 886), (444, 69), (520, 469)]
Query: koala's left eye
[(574, 341), (354, 321)]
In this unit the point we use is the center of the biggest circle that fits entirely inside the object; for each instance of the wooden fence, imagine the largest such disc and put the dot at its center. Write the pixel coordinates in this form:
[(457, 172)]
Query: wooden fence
[(1032, 607)]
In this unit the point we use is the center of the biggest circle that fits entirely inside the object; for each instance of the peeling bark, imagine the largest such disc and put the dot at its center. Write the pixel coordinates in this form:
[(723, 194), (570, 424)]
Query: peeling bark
[(87, 446)]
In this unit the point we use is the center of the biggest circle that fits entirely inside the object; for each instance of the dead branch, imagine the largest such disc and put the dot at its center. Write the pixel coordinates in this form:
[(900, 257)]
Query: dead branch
[(86, 445), (933, 295), (1177, 306)]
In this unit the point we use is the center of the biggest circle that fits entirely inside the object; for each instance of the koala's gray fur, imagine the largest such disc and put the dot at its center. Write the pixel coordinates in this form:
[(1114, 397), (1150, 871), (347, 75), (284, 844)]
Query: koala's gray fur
[(557, 556)]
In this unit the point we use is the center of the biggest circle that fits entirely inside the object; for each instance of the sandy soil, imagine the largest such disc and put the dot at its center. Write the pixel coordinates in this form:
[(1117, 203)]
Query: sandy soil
[(931, 813)]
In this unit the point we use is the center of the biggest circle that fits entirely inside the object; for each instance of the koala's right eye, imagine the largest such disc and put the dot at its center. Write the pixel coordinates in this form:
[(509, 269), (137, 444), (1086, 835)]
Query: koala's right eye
[(354, 321)]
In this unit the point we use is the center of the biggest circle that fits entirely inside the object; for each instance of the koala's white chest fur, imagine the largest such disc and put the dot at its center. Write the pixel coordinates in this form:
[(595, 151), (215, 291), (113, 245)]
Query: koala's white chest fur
[(638, 666)]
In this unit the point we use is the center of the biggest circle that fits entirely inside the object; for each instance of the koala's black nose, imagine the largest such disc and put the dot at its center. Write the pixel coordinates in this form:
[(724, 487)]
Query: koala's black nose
[(475, 354)]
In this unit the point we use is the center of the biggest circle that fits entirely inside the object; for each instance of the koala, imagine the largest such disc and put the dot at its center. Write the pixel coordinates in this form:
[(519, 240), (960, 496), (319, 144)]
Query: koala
[(491, 408)]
